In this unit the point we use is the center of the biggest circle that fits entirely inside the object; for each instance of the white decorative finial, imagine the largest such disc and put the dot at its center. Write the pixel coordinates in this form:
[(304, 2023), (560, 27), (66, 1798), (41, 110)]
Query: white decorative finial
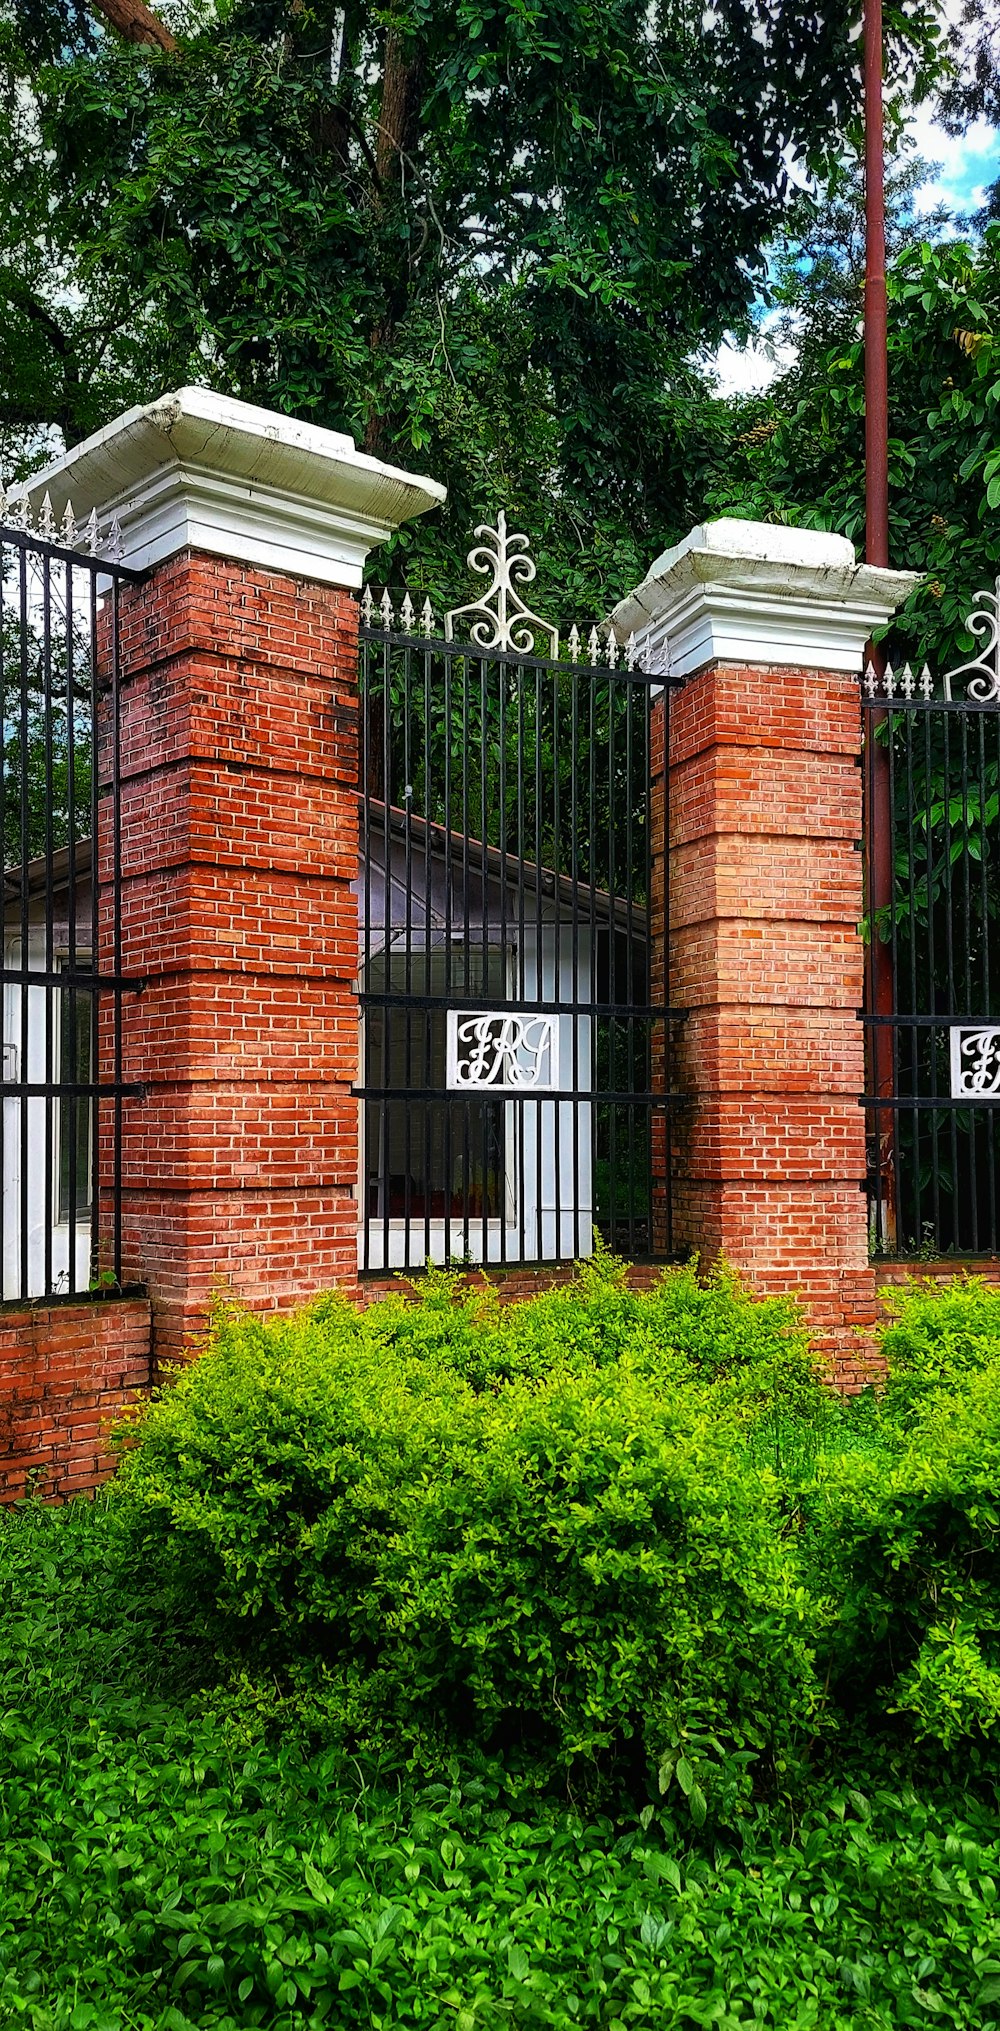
[(67, 528), (407, 615), (574, 644), (386, 611), (427, 619), (926, 681), (46, 520), (503, 620), (92, 534), (367, 606)]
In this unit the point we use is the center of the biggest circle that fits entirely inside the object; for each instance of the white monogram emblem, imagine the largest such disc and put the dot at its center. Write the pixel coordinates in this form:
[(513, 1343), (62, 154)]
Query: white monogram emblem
[(502, 1048), (975, 1063)]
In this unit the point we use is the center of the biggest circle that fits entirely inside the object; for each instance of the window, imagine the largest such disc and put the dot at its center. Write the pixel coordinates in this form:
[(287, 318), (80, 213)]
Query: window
[(429, 1155)]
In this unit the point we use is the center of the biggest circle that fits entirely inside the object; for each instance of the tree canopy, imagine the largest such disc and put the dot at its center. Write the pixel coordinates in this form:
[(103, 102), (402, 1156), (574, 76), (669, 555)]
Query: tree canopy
[(491, 237)]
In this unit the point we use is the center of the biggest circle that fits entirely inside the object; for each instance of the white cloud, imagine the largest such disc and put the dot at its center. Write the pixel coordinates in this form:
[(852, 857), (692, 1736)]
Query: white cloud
[(748, 370), (969, 162)]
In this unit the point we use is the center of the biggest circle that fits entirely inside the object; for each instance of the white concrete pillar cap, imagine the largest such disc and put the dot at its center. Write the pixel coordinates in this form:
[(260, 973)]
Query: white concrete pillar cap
[(201, 471), (757, 592)]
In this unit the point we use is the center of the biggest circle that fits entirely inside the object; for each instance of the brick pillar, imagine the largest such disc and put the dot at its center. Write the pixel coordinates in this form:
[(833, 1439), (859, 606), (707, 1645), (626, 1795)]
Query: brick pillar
[(239, 849), (239, 840), (767, 630)]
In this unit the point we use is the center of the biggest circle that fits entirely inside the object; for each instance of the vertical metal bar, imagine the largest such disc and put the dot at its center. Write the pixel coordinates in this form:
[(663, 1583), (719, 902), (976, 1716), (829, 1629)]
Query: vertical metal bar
[(576, 993), (505, 956), (449, 913), (385, 1139), (51, 1109), (668, 1033), (408, 951), (557, 1114), (950, 960), (428, 970), (485, 1107), (25, 855), (987, 999), (70, 1107), (94, 1115), (520, 1119), (628, 693), (539, 970), (935, 1114), (367, 983), (116, 796), (613, 1082), (916, 1035), (5, 1291)]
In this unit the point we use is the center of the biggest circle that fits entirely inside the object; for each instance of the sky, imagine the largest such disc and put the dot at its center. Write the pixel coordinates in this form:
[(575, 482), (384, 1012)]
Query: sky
[(967, 164)]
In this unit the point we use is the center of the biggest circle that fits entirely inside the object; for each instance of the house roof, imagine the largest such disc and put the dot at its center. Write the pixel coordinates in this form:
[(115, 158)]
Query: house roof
[(581, 899), (34, 874)]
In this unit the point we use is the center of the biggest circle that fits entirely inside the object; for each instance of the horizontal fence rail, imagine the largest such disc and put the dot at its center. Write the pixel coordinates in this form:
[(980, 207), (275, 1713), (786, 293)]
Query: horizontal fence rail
[(932, 811), (62, 1084), (516, 1056)]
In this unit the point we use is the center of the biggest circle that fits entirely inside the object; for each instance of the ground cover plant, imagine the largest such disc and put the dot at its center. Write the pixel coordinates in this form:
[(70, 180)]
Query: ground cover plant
[(586, 1662)]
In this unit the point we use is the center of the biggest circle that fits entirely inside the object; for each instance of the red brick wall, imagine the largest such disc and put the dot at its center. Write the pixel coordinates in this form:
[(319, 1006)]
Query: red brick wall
[(65, 1371), (239, 732), (765, 902)]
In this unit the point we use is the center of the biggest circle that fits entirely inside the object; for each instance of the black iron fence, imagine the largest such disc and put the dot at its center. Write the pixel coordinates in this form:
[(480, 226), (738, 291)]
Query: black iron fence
[(516, 1055), (932, 838), (62, 1087)]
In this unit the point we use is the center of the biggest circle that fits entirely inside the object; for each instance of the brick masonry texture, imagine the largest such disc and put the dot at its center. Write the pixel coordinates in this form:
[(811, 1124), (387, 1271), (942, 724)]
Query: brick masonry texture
[(239, 845), (765, 899), (65, 1371)]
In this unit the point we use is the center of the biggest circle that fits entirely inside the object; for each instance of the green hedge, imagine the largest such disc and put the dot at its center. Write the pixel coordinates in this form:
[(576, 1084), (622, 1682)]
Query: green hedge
[(533, 1528)]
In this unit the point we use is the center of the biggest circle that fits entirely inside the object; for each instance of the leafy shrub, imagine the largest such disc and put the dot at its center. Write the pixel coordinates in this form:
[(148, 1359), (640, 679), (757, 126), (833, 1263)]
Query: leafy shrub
[(907, 1541), (536, 1528), (939, 1336)]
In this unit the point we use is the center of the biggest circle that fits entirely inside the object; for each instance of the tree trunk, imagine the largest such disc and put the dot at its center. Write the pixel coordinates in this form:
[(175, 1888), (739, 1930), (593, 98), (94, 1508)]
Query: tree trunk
[(398, 133), (134, 21)]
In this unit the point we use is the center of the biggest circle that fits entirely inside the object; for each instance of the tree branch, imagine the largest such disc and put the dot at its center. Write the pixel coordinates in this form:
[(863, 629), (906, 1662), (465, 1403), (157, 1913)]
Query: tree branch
[(134, 21), (64, 412)]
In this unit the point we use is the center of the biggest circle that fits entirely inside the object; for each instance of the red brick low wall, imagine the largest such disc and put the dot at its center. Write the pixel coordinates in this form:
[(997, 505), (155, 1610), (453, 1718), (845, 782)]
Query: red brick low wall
[(65, 1370), (510, 1284)]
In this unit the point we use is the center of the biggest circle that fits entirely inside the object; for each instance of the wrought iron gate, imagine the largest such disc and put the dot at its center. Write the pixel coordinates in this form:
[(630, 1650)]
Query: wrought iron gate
[(62, 1086), (515, 1061), (932, 837)]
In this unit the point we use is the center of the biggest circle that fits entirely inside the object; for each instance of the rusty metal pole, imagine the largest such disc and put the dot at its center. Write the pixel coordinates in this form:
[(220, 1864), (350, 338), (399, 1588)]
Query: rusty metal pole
[(881, 986)]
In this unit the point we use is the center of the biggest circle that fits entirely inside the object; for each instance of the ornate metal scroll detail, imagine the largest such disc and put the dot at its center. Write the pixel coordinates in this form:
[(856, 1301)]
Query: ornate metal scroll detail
[(504, 620), (67, 533), (975, 1062), (982, 670), (502, 1048)]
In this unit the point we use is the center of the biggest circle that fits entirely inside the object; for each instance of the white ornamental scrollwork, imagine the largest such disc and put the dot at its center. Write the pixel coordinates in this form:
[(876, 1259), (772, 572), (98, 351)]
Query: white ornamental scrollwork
[(503, 620), (502, 1048), (983, 670), (975, 1062)]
